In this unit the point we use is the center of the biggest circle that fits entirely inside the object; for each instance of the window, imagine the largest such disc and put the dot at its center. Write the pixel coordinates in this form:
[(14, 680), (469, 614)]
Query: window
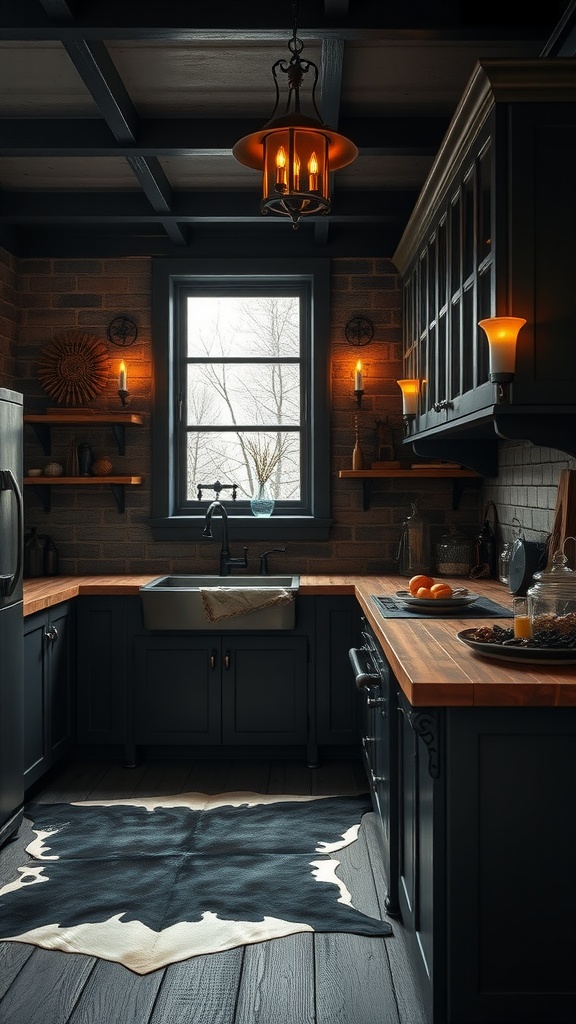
[(241, 395)]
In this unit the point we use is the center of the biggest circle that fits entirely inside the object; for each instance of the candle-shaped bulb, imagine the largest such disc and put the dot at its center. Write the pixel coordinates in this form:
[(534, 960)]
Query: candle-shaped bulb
[(281, 166), (122, 378), (313, 173), (296, 172), (358, 376)]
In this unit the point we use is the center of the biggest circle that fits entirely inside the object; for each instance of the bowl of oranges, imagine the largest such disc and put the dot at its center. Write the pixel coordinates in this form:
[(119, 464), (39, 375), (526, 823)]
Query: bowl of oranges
[(428, 594)]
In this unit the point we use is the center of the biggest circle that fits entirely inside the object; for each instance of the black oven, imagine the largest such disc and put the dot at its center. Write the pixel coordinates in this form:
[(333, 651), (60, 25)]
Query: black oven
[(379, 746)]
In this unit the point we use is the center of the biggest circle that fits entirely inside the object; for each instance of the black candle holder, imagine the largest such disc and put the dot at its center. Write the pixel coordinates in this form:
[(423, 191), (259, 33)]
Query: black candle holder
[(124, 396), (359, 398)]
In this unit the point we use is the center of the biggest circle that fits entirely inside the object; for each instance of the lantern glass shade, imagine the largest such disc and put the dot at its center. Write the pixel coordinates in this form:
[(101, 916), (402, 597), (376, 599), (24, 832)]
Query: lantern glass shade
[(295, 171), (502, 334), (410, 392)]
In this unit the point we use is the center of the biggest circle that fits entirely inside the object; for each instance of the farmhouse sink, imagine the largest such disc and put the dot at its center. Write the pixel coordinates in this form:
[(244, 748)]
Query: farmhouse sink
[(175, 602)]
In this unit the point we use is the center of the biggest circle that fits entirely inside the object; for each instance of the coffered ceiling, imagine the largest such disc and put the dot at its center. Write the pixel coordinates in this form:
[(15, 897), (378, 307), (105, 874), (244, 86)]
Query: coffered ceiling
[(117, 120)]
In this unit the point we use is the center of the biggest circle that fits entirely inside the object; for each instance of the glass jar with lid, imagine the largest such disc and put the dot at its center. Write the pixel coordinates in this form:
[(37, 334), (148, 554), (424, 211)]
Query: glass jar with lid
[(453, 553), (552, 603)]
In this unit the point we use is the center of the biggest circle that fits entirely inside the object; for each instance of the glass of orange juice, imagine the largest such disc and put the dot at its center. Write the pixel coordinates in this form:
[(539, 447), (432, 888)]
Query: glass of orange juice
[(522, 620)]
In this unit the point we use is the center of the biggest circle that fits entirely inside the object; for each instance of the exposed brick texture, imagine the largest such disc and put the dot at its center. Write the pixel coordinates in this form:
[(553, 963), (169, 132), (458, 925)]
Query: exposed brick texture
[(40, 299)]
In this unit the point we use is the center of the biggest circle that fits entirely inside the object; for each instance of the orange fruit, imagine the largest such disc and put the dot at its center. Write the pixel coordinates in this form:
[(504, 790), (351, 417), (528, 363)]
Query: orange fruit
[(441, 590), (424, 592), (419, 581)]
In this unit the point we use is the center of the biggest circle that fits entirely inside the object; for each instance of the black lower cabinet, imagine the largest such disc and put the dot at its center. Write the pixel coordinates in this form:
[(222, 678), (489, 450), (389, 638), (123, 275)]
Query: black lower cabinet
[(487, 848), (101, 703), (49, 689), (207, 689)]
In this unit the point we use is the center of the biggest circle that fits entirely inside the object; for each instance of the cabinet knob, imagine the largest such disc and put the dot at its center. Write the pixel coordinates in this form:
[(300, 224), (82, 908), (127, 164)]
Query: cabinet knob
[(51, 634), (227, 660), (213, 659)]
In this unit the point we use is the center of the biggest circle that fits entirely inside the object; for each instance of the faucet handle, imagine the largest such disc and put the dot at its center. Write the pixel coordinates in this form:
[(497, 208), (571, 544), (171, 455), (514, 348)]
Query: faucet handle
[(264, 559)]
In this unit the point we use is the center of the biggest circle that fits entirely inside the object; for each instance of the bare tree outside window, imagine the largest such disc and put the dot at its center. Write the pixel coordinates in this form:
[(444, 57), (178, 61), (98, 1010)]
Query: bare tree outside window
[(243, 393)]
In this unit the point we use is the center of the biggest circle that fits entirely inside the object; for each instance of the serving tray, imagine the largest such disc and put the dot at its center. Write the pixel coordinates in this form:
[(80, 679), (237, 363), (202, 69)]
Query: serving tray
[(527, 655), (429, 604)]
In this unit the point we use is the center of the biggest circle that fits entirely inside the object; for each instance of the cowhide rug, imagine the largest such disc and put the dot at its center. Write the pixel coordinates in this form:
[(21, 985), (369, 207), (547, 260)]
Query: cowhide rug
[(150, 882)]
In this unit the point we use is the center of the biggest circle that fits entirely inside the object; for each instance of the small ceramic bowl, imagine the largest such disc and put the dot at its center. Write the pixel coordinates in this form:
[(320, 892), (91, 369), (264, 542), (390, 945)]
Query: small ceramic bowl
[(34, 472)]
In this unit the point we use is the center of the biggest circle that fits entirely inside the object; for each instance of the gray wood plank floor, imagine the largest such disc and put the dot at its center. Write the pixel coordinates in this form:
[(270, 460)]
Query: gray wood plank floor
[(301, 979)]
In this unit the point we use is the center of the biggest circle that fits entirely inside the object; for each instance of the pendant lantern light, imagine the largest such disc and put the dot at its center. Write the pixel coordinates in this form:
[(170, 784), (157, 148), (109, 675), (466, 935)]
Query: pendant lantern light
[(295, 152)]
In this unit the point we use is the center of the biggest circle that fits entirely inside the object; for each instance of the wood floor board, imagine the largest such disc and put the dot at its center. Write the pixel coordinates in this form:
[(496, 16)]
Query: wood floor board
[(115, 995), (353, 980), (291, 777), (13, 956), (300, 979), (277, 983), (202, 990), (47, 988)]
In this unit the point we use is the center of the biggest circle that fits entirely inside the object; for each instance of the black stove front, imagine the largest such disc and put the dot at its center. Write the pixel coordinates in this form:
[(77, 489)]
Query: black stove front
[(379, 744)]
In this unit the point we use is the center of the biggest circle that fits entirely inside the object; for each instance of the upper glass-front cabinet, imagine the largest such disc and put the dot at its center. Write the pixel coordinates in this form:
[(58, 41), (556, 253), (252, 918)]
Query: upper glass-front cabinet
[(492, 234)]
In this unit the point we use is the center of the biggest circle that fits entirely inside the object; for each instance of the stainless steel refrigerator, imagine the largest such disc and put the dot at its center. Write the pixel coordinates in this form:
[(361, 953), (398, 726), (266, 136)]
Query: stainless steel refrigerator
[(11, 615)]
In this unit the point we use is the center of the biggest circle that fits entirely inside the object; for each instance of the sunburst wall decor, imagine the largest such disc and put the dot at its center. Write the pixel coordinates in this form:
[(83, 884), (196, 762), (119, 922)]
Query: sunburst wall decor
[(74, 368)]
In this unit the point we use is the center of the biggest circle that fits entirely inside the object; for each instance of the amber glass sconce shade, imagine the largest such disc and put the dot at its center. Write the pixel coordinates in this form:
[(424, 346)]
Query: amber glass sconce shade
[(410, 393), (502, 333)]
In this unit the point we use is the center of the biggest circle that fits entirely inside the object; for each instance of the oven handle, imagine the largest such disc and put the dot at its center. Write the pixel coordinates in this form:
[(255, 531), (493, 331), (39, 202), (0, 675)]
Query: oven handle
[(361, 671)]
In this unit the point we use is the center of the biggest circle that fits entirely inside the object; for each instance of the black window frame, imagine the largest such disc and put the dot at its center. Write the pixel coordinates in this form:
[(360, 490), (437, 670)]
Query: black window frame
[(170, 279)]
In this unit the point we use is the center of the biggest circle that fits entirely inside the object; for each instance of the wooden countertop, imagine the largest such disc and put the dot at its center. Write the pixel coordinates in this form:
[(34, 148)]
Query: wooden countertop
[(433, 668)]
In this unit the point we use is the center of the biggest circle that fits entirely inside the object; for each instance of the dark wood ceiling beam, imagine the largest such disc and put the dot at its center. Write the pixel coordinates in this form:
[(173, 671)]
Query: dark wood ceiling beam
[(262, 21), (375, 136), (94, 208), (98, 72)]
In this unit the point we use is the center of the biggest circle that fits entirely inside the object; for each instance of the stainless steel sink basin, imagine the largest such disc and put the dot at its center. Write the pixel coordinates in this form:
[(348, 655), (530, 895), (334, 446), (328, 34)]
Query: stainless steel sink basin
[(175, 602)]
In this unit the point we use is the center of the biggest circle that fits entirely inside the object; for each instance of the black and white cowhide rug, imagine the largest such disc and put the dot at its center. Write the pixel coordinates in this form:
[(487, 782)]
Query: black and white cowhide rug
[(150, 882)]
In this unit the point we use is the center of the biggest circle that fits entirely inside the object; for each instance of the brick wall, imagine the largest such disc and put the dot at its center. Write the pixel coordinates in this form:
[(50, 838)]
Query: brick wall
[(58, 296)]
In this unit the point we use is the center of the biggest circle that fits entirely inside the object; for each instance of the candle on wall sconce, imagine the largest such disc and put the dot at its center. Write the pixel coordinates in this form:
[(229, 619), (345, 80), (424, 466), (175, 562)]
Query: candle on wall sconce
[(410, 392), (502, 333), (122, 382), (358, 382)]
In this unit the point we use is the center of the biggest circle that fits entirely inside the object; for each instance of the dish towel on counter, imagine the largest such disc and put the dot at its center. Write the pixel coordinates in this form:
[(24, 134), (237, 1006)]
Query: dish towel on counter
[(223, 602)]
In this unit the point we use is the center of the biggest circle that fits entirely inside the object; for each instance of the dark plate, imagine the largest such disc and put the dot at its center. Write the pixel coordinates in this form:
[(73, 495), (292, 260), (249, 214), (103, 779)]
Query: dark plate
[(527, 655), (428, 604)]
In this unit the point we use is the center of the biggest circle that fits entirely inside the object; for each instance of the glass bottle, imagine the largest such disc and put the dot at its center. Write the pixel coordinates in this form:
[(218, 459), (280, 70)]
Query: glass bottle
[(414, 550), (33, 555)]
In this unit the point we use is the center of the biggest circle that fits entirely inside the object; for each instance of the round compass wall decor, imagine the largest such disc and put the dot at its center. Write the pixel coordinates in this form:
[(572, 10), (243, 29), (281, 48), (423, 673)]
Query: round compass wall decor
[(122, 331), (359, 330)]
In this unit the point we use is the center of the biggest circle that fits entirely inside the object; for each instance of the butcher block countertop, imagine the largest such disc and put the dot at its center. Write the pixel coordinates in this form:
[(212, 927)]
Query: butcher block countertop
[(431, 665)]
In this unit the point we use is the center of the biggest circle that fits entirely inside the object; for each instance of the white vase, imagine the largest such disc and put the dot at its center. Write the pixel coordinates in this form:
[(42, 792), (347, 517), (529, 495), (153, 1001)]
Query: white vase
[(262, 503)]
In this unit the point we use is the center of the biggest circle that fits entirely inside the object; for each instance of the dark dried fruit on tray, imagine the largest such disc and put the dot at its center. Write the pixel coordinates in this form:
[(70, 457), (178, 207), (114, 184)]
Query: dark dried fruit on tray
[(550, 631)]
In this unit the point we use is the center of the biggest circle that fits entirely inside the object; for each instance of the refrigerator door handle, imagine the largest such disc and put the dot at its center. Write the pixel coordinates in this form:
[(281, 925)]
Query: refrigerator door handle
[(8, 482)]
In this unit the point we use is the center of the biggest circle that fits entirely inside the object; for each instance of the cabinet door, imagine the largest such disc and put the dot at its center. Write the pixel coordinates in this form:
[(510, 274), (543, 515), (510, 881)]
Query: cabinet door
[(265, 690), (49, 686), (101, 661), (337, 705), (420, 866), (60, 650), (177, 687), (36, 759)]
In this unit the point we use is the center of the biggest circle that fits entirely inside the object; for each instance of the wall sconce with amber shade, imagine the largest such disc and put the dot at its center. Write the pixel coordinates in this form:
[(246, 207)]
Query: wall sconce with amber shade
[(410, 394), (502, 333)]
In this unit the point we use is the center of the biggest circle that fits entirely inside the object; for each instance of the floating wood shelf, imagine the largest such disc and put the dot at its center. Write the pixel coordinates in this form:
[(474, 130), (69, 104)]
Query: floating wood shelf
[(43, 484), (42, 422), (458, 476)]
